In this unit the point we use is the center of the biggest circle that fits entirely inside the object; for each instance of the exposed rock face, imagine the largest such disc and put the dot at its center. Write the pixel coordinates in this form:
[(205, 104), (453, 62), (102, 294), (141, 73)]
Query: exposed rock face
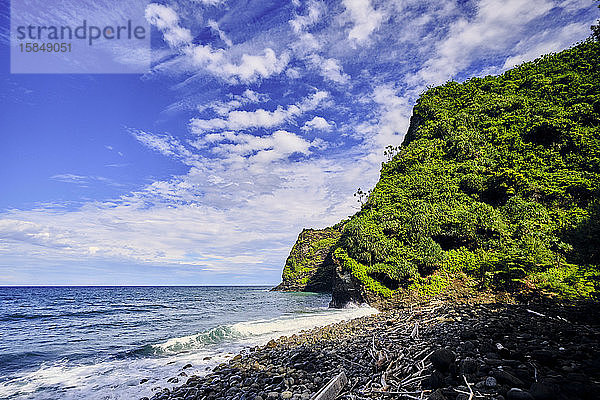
[(309, 267), (346, 289)]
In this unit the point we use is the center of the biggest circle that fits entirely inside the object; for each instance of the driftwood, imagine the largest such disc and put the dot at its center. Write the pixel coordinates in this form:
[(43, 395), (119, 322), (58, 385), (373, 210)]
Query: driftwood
[(331, 390)]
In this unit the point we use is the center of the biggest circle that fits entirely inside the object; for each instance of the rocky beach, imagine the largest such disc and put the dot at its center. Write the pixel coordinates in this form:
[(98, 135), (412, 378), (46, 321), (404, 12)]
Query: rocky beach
[(463, 350)]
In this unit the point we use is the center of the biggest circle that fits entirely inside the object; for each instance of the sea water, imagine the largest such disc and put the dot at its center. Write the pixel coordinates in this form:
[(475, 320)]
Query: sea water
[(126, 342)]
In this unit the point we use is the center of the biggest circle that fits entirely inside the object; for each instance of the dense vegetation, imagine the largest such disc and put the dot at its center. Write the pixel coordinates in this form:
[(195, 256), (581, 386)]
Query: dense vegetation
[(309, 266), (498, 179)]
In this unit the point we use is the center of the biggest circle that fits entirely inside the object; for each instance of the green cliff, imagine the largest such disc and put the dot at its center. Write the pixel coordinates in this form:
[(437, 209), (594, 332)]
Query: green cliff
[(309, 267), (497, 181)]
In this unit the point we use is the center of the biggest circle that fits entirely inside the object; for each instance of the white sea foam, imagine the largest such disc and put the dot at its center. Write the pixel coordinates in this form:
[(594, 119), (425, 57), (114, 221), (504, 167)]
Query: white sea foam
[(107, 380), (293, 324)]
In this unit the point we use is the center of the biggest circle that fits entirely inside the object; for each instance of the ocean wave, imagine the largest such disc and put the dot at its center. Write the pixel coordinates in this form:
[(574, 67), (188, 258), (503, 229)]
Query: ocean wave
[(114, 310), (213, 336), (20, 316), (258, 331)]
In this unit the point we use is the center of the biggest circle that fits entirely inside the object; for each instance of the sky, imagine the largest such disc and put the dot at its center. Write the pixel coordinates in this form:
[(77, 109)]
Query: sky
[(256, 119)]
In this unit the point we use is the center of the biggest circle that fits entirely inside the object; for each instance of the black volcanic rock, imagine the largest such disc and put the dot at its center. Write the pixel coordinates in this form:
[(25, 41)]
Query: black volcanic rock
[(442, 359)]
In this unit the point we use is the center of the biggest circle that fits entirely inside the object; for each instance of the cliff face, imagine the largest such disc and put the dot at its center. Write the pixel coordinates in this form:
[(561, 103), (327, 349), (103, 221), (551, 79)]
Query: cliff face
[(309, 267), (497, 181), (346, 288)]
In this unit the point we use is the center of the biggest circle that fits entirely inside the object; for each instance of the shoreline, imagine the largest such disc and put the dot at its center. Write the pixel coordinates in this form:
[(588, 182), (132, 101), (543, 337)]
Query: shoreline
[(439, 350)]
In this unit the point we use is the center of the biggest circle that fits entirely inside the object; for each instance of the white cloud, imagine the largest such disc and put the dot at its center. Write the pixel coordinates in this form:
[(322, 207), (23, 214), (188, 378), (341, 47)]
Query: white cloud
[(279, 145), (231, 147), (394, 114), (32, 233), (307, 44), (214, 25), (261, 149), (575, 5), (317, 123), (167, 21), (389, 124), (215, 217), (494, 28), (161, 16), (364, 17), (239, 119), (250, 67), (223, 108), (546, 42), (70, 178), (308, 47), (330, 68), (164, 144), (301, 22), (83, 180), (292, 73), (209, 2)]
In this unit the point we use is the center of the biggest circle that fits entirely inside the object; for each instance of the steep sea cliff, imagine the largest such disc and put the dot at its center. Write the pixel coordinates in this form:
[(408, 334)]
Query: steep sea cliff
[(497, 183), (309, 267)]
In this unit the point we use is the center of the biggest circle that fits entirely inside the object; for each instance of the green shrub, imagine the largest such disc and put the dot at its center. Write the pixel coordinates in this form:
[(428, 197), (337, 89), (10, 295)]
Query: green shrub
[(569, 281)]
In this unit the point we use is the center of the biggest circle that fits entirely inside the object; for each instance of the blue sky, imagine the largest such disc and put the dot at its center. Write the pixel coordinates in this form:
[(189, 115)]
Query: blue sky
[(257, 118)]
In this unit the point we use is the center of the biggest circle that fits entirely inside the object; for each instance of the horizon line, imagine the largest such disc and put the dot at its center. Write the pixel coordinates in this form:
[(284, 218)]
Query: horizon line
[(187, 285)]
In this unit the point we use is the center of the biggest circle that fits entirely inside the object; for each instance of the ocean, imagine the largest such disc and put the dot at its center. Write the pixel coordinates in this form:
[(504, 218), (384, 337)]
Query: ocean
[(125, 342)]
